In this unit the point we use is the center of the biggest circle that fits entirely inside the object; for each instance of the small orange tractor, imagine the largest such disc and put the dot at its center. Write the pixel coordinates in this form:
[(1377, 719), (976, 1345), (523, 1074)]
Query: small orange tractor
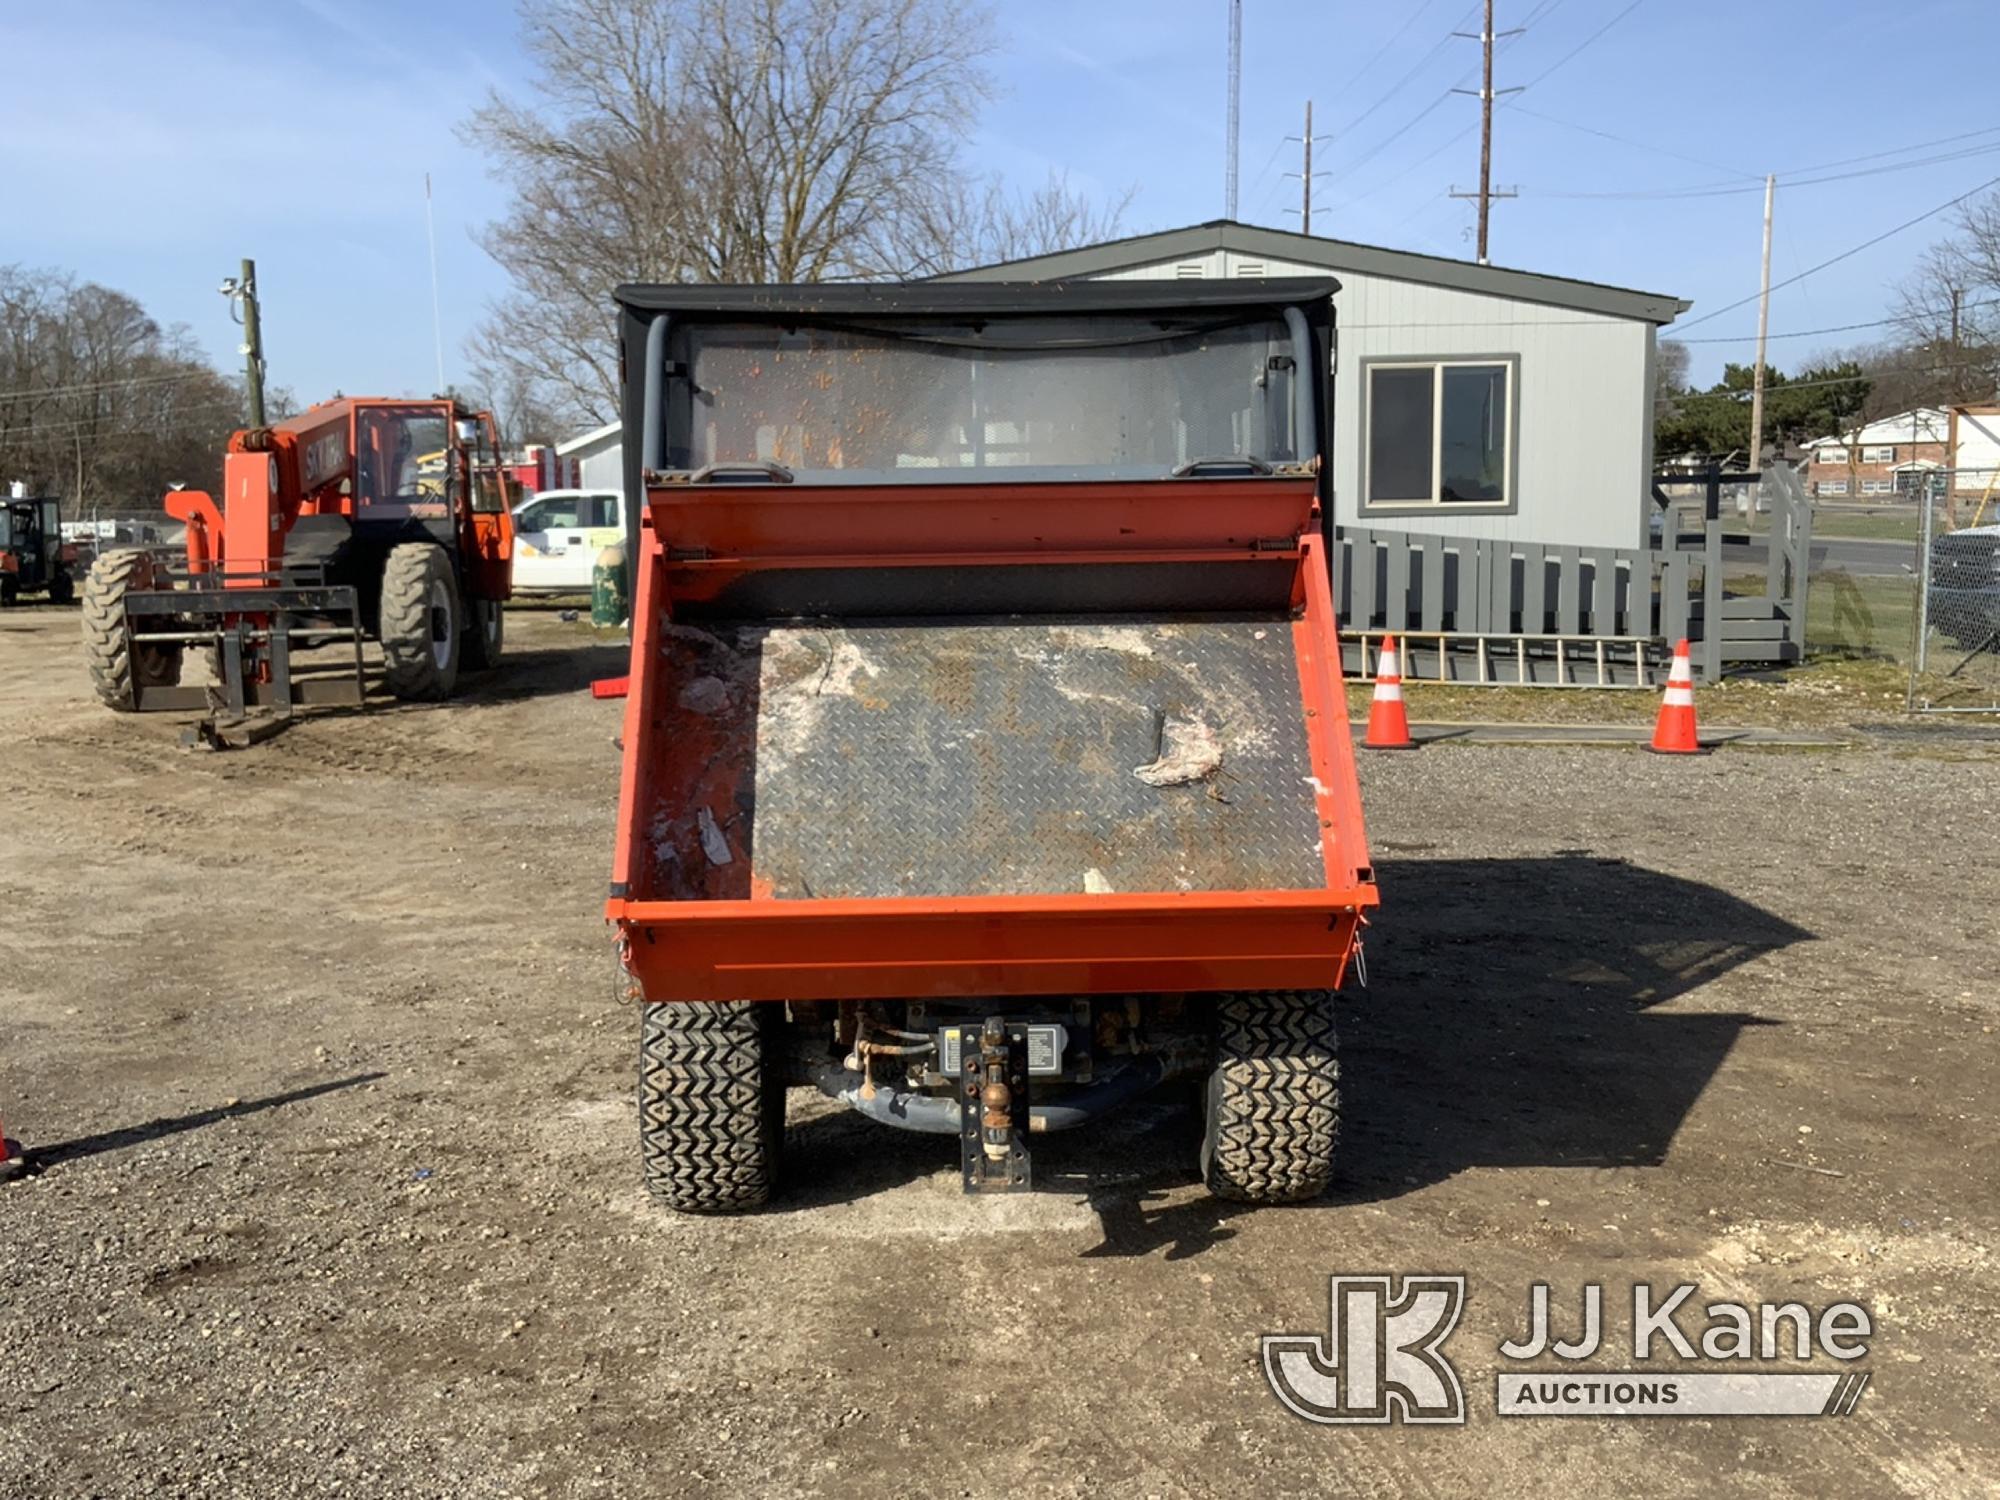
[(33, 556), (359, 517), (986, 758)]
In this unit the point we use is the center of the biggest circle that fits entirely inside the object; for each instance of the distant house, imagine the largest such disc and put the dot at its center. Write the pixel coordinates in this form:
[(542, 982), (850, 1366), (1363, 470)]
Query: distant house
[(1873, 462), (1975, 454)]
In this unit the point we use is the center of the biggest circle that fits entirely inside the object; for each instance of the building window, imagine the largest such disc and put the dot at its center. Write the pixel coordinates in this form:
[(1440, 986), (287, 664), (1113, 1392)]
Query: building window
[(1878, 455), (1440, 432), (1878, 486), (1833, 487), (1829, 455)]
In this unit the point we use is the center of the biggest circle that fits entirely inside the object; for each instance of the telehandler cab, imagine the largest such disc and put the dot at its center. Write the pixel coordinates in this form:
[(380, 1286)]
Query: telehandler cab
[(359, 517)]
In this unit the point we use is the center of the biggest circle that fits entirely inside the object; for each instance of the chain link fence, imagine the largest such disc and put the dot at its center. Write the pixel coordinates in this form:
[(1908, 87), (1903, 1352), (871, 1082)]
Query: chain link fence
[(1861, 607), (1954, 653)]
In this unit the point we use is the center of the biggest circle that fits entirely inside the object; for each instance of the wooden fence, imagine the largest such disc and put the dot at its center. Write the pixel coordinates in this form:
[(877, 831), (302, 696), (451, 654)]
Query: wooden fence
[(1538, 604)]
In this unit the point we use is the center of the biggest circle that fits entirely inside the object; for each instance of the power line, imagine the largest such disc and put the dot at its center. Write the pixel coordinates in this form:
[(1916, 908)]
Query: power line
[(1416, 14), (1395, 89), (1807, 333), (1541, 12), (1611, 323), (1258, 181), (1807, 385), (1567, 56), (101, 385), (1929, 213), (1898, 151), (1726, 190), (176, 422), (1625, 140)]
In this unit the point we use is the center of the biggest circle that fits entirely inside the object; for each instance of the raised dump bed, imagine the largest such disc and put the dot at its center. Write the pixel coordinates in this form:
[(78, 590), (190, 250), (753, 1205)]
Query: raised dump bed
[(950, 778), (983, 756)]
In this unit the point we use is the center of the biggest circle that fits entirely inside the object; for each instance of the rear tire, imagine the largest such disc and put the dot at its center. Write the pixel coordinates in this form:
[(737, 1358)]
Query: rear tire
[(485, 633), (1272, 1106), (422, 622), (61, 588), (711, 1103), (118, 666)]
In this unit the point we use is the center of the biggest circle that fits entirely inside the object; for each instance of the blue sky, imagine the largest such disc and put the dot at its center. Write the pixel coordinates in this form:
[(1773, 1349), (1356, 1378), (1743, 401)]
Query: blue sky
[(151, 145)]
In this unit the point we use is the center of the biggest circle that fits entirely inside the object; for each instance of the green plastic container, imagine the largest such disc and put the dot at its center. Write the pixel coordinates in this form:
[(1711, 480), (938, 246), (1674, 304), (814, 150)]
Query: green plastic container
[(610, 588)]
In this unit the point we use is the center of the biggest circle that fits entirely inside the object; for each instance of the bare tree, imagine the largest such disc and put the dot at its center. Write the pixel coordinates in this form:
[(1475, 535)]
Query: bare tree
[(98, 403), (1949, 308), (732, 140), (959, 223)]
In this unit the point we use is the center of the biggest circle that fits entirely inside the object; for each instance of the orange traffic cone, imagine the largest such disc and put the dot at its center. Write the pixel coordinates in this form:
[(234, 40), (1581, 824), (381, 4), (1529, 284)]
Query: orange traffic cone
[(1673, 732), (10, 1155), (1388, 724)]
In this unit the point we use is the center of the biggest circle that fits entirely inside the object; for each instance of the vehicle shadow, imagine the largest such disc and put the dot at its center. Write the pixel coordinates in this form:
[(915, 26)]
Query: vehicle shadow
[(40, 1158), (838, 1156), (546, 672), (1513, 1019)]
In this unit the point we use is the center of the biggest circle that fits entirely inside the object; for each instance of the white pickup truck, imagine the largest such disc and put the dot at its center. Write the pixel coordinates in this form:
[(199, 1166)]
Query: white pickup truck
[(557, 536)]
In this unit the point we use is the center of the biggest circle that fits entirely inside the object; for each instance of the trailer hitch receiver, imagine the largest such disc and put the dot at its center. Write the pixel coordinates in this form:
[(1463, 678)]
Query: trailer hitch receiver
[(993, 1104)]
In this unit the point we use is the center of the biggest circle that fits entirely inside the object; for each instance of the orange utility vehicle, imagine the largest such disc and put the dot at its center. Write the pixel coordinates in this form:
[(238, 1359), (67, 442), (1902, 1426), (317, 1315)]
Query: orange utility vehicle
[(362, 516), (986, 760)]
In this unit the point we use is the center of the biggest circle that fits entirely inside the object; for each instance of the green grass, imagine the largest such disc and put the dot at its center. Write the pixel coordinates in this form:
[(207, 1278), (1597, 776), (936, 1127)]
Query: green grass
[(1853, 523), (1884, 528), (1856, 618)]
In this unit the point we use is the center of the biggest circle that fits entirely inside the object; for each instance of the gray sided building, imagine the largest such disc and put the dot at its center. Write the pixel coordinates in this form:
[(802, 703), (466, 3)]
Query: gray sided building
[(1470, 401)]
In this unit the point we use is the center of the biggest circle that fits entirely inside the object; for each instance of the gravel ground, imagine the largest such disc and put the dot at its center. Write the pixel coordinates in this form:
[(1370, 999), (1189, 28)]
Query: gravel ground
[(338, 1186)]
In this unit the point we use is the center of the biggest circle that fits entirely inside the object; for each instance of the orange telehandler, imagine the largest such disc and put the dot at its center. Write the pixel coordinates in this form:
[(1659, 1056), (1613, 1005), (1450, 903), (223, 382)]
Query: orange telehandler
[(359, 517)]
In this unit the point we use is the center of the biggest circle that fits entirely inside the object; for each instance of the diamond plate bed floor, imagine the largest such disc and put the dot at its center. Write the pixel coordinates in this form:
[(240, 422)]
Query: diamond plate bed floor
[(980, 756)]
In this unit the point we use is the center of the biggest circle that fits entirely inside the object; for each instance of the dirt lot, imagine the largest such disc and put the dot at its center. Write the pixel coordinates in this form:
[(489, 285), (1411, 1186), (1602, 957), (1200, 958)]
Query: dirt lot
[(339, 1190)]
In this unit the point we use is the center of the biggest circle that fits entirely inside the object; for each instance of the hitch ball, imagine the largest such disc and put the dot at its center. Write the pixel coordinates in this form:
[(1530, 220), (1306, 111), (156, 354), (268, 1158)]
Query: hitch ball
[(996, 1133)]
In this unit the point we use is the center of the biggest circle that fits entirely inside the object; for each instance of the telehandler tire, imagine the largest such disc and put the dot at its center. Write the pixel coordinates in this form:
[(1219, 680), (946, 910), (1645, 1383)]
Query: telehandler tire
[(118, 666), (62, 588), (422, 622), (485, 633), (711, 1103), (1271, 1111)]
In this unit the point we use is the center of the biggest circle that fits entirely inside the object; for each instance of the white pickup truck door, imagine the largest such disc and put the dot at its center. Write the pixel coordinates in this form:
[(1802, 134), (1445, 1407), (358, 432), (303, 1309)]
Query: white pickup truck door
[(557, 540)]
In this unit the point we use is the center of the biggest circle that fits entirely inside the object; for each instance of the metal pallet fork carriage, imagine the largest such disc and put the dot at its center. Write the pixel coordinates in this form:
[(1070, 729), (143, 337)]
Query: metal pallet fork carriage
[(1674, 731), (1388, 723)]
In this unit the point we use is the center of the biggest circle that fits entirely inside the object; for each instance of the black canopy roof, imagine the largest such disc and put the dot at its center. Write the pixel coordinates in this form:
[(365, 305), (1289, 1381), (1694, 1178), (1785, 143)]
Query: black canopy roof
[(974, 299)]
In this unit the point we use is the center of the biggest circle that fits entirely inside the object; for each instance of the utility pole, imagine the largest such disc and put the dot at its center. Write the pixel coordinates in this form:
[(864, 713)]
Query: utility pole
[(1235, 92), (1486, 193), (1763, 329), (1957, 379), (244, 290), (1306, 177), (1485, 128)]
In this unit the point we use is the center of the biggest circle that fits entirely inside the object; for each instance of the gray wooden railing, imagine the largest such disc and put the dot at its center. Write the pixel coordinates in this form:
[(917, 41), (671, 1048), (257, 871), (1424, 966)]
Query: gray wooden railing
[(1643, 597)]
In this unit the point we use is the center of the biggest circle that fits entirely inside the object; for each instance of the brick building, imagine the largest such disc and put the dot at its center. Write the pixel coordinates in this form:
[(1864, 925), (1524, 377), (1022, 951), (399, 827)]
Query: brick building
[(1868, 462)]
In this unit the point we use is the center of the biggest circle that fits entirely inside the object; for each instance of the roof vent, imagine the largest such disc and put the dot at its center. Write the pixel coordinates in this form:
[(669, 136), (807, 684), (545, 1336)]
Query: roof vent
[(1252, 268), (1188, 270)]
